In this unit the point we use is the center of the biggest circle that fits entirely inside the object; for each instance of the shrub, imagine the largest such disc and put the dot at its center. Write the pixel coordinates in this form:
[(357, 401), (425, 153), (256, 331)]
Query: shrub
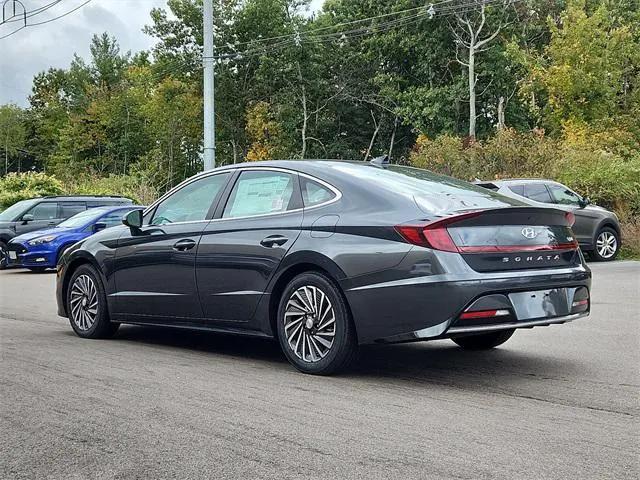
[(135, 187), (20, 186)]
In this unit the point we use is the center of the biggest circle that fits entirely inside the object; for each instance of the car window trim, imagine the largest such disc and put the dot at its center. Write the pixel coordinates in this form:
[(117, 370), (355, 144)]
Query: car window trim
[(223, 203), (526, 185), (151, 208), (295, 196)]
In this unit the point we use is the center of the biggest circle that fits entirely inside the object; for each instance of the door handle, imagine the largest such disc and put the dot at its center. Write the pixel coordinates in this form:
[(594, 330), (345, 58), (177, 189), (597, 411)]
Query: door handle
[(184, 245), (274, 240)]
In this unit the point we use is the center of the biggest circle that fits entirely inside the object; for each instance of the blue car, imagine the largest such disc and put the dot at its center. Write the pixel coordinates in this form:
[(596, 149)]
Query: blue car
[(41, 249)]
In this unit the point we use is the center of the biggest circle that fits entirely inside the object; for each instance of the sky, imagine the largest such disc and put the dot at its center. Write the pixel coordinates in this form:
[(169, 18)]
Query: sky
[(38, 48)]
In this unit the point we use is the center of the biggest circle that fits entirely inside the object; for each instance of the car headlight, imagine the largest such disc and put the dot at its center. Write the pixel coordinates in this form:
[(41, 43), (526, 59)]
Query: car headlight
[(41, 240)]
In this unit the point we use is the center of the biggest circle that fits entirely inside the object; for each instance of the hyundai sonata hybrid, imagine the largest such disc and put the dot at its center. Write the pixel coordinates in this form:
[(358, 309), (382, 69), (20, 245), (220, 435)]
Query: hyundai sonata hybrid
[(326, 256)]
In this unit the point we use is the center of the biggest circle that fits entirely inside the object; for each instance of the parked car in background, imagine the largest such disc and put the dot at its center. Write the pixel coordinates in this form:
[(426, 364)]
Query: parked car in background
[(597, 229), (41, 249), (327, 255), (46, 212)]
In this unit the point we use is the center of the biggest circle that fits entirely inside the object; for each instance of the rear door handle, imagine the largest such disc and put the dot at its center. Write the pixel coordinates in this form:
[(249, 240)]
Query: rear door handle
[(274, 240), (184, 245)]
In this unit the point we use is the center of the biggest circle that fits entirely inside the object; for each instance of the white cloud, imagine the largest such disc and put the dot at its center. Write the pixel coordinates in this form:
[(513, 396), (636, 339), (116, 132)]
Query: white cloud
[(39, 48)]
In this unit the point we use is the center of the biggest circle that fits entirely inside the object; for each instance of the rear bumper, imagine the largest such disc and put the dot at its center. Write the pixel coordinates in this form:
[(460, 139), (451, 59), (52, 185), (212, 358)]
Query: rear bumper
[(543, 322), (428, 299)]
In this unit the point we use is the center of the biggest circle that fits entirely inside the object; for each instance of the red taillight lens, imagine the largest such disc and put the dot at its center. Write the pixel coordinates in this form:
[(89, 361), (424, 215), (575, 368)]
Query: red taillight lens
[(571, 218), (434, 234)]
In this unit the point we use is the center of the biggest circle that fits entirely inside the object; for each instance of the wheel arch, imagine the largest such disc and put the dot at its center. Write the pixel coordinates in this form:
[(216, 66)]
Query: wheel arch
[(301, 262), (72, 266)]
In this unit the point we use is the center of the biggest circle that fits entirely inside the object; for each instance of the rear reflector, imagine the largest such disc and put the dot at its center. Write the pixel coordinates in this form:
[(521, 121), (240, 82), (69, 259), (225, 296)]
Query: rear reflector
[(484, 314)]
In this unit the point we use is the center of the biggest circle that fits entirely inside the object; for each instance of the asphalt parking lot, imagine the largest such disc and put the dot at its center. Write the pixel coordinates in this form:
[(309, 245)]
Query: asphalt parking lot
[(553, 402)]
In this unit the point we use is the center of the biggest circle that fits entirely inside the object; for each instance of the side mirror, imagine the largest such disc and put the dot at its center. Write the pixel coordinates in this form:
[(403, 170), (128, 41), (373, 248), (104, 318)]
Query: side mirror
[(27, 217), (584, 202), (133, 219), (99, 226)]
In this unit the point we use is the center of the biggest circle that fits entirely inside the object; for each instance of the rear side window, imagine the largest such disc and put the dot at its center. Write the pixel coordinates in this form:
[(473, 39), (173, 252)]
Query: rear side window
[(517, 189), (314, 193), (69, 209), (44, 211), (192, 202), (538, 192), (260, 193)]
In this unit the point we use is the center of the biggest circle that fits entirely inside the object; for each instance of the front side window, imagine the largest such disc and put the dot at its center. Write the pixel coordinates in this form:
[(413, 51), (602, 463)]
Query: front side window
[(114, 218), (538, 192), (44, 211), (563, 195), (315, 194), (260, 193), (192, 202)]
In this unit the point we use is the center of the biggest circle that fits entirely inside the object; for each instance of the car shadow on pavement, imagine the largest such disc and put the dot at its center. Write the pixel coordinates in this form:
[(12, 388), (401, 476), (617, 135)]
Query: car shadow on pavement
[(437, 362)]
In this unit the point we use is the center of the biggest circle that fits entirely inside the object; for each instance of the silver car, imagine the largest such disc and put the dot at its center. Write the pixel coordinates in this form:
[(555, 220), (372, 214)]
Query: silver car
[(597, 229)]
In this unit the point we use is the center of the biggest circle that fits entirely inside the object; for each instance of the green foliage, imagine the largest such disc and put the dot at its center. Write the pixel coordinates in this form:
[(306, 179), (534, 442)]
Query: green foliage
[(20, 186), (607, 178), (12, 133)]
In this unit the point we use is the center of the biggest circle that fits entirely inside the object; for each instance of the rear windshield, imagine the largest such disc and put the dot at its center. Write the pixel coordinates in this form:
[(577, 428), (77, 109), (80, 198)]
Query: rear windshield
[(433, 193)]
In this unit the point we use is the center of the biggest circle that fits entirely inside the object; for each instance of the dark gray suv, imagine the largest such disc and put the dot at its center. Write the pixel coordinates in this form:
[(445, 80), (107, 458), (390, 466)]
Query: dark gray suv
[(597, 229), (46, 212)]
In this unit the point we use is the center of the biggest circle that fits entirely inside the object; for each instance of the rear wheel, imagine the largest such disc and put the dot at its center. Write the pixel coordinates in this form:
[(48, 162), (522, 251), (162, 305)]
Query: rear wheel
[(484, 341), (4, 256), (607, 245), (87, 305), (314, 325)]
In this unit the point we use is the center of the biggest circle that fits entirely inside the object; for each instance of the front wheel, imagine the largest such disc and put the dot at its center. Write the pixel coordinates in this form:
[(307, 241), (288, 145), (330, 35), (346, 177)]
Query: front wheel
[(4, 256), (607, 245), (484, 341), (87, 305), (314, 325)]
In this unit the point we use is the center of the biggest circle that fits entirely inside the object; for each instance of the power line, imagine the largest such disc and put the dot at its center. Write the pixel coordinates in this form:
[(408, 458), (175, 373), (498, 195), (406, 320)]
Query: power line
[(32, 13), (48, 20), (305, 37)]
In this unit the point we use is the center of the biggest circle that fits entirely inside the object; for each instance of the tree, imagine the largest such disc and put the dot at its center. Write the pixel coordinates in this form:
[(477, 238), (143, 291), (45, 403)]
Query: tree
[(12, 132), (470, 31), (589, 73)]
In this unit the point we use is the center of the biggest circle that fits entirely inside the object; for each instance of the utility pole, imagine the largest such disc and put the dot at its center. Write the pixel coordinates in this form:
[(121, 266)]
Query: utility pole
[(209, 88)]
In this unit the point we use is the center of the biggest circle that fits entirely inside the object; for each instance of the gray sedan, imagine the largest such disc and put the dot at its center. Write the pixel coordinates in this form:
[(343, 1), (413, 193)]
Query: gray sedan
[(597, 229)]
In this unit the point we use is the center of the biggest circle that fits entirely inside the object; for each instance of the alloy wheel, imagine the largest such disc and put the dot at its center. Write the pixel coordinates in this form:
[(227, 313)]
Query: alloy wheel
[(84, 302), (607, 244), (309, 323)]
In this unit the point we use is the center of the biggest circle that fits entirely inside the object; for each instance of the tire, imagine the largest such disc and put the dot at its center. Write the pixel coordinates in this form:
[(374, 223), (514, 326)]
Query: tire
[(606, 245), (4, 255), (315, 328), (484, 341), (88, 315)]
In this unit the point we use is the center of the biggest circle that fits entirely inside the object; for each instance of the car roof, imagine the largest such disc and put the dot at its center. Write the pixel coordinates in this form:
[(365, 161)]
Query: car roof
[(83, 197), (511, 181)]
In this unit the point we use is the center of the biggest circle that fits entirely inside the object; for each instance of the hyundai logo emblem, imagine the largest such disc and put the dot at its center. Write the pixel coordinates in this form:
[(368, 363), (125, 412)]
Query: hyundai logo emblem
[(528, 232)]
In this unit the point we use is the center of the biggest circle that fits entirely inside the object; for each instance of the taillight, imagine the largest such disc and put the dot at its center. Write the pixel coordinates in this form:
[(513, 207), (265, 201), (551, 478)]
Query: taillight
[(434, 234), (571, 218)]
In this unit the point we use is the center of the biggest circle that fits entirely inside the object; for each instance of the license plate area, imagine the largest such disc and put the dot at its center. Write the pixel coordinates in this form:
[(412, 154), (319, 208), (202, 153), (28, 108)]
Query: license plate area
[(13, 255), (555, 302)]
